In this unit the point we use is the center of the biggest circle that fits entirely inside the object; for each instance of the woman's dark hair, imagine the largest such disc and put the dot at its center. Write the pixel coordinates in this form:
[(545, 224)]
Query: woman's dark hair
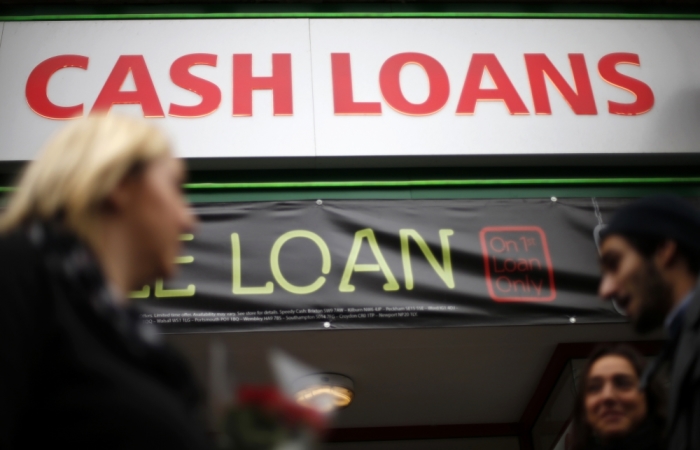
[(581, 432)]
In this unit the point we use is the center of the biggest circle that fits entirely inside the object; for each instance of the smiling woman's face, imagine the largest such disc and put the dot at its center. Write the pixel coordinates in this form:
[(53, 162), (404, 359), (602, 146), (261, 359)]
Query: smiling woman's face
[(614, 405)]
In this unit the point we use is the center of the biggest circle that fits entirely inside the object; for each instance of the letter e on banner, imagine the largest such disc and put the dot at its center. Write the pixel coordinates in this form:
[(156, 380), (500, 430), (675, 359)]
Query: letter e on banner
[(517, 264)]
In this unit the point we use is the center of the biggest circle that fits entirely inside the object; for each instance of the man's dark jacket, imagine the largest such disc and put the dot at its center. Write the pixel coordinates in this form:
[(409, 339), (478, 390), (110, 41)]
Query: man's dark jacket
[(76, 371), (684, 398)]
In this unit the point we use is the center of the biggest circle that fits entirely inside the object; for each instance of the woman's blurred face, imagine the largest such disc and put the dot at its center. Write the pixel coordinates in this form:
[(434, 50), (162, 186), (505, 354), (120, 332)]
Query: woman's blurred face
[(158, 215), (614, 405)]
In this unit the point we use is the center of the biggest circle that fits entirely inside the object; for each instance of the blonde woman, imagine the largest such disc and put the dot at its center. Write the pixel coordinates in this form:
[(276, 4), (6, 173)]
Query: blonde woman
[(97, 215)]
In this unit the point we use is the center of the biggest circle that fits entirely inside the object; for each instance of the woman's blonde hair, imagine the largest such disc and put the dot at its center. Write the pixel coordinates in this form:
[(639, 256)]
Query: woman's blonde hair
[(79, 167)]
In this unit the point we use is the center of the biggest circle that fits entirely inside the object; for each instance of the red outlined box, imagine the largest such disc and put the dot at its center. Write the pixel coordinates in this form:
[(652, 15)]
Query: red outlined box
[(519, 250)]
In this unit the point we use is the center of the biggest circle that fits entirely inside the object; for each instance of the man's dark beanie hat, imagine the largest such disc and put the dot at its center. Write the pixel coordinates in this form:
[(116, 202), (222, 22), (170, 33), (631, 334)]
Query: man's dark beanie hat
[(666, 217)]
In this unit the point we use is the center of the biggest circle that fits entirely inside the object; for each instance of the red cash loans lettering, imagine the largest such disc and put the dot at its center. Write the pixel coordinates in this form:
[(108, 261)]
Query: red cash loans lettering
[(541, 75)]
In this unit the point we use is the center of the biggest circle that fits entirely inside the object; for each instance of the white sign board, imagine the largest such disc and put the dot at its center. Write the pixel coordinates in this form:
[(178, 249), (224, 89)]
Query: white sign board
[(357, 87)]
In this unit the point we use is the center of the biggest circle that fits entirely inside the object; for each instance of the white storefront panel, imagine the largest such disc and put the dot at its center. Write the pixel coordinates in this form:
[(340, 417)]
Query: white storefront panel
[(357, 87)]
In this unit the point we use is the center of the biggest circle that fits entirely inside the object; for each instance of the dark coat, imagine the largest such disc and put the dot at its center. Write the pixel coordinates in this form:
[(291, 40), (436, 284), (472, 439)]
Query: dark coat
[(76, 371), (647, 437), (684, 396)]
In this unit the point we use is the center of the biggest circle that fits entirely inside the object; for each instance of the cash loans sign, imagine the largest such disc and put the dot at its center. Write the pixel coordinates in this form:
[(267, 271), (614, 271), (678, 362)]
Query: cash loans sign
[(339, 88), (578, 93)]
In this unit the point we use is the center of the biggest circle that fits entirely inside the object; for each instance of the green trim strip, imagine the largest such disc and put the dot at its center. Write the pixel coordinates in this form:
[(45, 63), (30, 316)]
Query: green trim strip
[(435, 183), (350, 15), (444, 183)]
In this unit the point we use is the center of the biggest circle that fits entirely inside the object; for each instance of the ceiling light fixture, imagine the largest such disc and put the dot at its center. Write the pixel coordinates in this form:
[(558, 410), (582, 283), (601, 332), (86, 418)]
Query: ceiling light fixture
[(324, 392)]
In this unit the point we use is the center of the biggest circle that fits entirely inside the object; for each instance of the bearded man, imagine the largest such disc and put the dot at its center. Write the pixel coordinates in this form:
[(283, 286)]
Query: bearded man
[(650, 261)]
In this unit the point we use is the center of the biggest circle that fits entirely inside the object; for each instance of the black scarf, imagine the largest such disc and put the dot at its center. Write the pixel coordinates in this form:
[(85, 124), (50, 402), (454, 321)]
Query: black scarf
[(77, 282), (73, 268), (647, 436)]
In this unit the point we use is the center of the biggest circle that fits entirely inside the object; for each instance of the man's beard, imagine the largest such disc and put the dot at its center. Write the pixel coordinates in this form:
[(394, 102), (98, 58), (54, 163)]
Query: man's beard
[(655, 299)]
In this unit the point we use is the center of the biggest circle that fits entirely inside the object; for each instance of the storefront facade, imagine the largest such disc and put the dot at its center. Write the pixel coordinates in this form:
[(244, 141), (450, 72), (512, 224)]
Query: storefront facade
[(408, 198)]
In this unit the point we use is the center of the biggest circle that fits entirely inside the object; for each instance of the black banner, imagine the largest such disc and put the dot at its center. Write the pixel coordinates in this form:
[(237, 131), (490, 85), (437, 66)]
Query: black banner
[(385, 263)]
